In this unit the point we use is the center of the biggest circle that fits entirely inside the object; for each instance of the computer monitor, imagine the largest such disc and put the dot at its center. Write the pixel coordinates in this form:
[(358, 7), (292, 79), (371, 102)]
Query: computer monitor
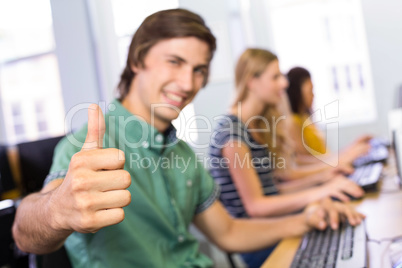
[(394, 121), (397, 146)]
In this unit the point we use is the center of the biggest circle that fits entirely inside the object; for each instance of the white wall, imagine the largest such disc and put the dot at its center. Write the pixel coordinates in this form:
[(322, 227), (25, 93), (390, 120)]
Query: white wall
[(75, 52), (2, 130), (83, 81), (383, 22), (215, 98)]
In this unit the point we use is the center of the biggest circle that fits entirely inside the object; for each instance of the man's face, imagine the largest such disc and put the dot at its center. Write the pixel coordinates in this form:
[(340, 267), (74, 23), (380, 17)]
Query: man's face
[(174, 71)]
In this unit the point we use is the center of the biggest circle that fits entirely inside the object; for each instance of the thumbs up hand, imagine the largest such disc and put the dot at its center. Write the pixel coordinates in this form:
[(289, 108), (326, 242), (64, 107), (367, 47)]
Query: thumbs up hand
[(93, 192), (96, 128)]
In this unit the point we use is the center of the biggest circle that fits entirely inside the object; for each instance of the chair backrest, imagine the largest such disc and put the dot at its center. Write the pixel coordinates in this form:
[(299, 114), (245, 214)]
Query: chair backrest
[(57, 259), (6, 178), (35, 160), (7, 214)]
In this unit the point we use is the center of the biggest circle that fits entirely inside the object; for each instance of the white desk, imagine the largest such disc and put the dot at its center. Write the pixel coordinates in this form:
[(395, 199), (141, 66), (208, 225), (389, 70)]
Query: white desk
[(383, 212)]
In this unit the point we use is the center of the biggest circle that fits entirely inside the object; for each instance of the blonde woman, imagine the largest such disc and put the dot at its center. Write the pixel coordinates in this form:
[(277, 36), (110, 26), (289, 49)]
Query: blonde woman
[(283, 146), (241, 161)]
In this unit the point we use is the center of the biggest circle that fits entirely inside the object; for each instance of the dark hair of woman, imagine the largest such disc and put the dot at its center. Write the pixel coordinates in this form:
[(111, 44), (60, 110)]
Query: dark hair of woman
[(296, 77)]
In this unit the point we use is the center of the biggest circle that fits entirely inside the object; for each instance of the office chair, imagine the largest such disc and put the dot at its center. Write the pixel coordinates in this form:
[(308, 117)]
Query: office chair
[(35, 159), (6, 178), (7, 214), (229, 255), (57, 259), (230, 260)]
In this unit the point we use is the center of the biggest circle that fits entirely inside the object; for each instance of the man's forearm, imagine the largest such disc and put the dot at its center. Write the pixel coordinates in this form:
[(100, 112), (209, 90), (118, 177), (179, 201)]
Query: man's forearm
[(278, 205), (255, 234), (32, 229)]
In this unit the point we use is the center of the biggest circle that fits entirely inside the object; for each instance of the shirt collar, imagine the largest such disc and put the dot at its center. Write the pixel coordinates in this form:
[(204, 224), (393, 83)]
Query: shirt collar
[(137, 132)]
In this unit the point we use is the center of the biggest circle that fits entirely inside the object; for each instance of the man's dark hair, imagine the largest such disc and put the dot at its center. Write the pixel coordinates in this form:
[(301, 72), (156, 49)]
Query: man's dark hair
[(166, 24), (297, 76)]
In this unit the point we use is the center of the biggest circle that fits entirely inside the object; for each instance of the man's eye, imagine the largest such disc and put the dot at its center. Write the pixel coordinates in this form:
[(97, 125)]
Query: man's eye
[(174, 62), (200, 71)]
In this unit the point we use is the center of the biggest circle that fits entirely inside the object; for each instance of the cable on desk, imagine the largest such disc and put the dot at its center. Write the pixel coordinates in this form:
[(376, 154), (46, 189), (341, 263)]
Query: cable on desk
[(390, 191), (390, 239)]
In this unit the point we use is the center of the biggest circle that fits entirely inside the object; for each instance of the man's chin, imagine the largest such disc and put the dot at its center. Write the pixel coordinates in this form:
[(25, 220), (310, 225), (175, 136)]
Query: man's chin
[(167, 116)]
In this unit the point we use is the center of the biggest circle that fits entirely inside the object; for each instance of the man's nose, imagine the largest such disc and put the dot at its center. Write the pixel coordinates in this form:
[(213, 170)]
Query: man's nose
[(185, 79)]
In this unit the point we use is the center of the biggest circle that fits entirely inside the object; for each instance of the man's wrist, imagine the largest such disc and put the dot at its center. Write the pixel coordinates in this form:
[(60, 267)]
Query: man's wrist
[(52, 214), (301, 223), (305, 225)]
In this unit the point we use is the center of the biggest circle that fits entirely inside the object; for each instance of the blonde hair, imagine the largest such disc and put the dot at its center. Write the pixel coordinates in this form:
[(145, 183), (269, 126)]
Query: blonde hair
[(251, 64)]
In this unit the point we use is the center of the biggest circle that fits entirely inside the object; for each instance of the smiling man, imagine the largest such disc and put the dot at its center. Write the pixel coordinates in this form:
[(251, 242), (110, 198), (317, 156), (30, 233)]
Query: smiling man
[(109, 212), (173, 73)]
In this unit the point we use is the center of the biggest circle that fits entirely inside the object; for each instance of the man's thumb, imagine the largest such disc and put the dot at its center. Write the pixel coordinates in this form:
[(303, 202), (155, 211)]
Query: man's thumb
[(96, 128)]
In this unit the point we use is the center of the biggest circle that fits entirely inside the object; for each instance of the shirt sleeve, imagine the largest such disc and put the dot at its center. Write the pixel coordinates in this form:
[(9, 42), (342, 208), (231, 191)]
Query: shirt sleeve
[(228, 130), (63, 152), (312, 136), (208, 193)]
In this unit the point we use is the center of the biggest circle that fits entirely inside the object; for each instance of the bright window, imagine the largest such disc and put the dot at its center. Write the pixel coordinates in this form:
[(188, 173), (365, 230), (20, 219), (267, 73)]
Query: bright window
[(328, 38), (30, 91), (128, 15)]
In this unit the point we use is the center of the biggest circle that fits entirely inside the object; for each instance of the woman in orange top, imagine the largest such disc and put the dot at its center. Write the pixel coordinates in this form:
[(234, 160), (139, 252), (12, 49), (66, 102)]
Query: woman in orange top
[(308, 139)]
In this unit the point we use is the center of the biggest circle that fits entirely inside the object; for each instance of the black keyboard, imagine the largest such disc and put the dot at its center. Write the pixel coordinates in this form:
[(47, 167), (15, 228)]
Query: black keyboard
[(367, 176), (341, 248), (378, 153)]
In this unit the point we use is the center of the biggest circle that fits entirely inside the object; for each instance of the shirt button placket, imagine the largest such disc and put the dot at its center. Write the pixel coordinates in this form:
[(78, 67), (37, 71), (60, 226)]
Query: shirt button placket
[(180, 238), (159, 138), (145, 144)]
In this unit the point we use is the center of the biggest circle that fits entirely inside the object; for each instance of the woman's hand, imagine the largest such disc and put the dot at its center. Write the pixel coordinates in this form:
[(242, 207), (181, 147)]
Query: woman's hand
[(360, 147), (341, 188)]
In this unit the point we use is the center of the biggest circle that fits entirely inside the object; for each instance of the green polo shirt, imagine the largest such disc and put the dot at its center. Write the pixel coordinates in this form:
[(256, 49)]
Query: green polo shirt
[(169, 186)]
